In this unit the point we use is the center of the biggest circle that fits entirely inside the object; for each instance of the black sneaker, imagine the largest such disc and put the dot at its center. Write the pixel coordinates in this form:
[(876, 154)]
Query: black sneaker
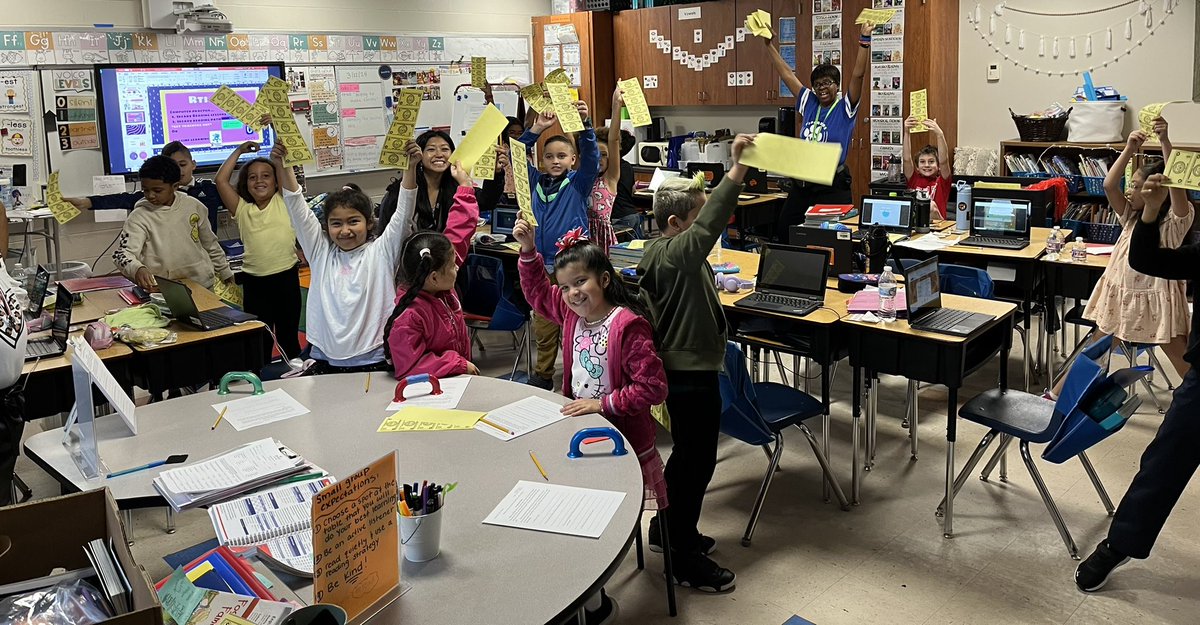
[(654, 537), (1093, 573), (540, 382), (696, 570), (607, 612)]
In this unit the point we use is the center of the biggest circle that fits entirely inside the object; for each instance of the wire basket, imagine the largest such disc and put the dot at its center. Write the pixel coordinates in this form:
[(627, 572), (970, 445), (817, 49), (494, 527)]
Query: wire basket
[(1040, 128), (1102, 233), (1093, 185)]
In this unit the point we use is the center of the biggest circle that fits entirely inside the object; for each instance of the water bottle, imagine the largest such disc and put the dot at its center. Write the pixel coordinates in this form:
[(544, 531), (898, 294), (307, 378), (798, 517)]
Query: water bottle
[(894, 172), (887, 294), (1052, 245), (21, 275), (962, 215), (1079, 251)]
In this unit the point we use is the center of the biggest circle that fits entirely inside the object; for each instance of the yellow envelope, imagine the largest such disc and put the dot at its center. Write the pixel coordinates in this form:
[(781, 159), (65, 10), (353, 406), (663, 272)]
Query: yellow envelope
[(918, 107), (482, 135), (875, 16), (420, 419), (810, 161)]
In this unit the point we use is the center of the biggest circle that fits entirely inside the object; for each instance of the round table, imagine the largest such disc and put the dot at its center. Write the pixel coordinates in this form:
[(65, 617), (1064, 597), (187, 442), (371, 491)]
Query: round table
[(517, 575)]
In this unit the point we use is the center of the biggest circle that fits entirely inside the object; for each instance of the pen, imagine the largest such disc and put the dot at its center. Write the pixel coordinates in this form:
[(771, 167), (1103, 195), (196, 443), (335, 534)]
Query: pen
[(505, 430), (300, 478), (368, 389), (219, 417), (538, 465), (174, 459)]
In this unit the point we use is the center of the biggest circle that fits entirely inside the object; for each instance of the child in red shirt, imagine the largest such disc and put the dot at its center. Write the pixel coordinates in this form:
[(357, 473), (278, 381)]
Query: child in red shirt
[(932, 172)]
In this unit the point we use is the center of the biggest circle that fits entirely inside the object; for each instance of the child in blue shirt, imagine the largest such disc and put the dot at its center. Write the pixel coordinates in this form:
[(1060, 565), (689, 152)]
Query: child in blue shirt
[(560, 202)]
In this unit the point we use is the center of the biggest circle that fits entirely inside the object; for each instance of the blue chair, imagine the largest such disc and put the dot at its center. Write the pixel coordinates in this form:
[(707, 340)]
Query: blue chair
[(1029, 418), (756, 413), (487, 305)]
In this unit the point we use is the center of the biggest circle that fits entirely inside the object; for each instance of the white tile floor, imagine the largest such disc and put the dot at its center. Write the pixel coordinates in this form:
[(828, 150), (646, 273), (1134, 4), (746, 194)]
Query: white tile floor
[(884, 561)]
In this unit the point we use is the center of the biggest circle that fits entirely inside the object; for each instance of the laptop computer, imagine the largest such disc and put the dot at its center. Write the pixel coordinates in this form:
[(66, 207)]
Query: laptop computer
[(183, 307), (60, 329), (503, 220), (713, 172), (999, 223), (892, 213), (755, 181), (837, 242), (791, 280), (923, 294), (37, 295)]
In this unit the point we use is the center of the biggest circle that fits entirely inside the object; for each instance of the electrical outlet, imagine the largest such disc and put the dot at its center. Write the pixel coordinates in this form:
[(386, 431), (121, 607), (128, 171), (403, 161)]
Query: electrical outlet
[(993, 72)]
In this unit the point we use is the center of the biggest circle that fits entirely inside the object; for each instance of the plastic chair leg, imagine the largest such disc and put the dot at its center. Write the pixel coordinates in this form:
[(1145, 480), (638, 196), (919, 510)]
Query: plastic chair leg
[(1158, 366), (1049, 501), (668, 566), (968, 468), (20, 490), (998, 458), (1079, 347), (637, 543), (762, 491), (1092, 475), (823, 460), (914, 419), (170, 520)]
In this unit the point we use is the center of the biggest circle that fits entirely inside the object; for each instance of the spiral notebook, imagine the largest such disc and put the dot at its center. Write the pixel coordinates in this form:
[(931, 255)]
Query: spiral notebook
[(278, 521)]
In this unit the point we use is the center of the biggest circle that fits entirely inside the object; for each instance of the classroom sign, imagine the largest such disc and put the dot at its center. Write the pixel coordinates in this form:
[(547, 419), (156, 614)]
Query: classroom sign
[(16, 136)]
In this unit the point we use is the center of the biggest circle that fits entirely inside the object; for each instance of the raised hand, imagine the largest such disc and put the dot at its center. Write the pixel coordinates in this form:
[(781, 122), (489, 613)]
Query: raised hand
[(523, 232)]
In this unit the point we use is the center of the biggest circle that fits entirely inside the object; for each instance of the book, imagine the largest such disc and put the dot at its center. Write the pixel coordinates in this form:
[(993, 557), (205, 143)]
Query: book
[(114, 585), (214, 606), (223, 571), (240, 470), (277, 521)]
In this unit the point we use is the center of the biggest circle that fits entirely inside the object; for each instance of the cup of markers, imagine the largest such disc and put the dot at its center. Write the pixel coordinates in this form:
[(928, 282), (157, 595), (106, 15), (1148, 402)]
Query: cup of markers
[(420, 509)]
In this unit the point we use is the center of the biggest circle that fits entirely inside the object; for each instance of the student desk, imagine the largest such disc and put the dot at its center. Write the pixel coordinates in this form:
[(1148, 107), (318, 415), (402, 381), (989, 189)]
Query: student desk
[(48, 386), (527, 576), (896, 349), (1068, 279), (752, 210)]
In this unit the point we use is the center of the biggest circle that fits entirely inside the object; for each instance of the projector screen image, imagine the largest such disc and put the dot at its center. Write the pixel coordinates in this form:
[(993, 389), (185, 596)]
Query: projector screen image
[(143, 108)]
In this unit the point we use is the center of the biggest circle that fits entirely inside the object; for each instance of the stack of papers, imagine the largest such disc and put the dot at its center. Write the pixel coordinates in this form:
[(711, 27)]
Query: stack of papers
[(557, 509), (278, 521), (243, 469), (930, 242)]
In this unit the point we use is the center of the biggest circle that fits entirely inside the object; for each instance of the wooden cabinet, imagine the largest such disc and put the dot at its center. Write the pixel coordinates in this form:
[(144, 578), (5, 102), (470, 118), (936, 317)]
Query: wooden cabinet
[(630, 44), (655, 63), (596, 78), (754, 58), (698, 36)]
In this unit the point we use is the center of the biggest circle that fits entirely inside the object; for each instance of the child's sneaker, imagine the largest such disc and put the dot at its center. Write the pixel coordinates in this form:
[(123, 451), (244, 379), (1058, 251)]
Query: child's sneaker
[(540, 382), (654, 537), (696, 570), (1092, 574)]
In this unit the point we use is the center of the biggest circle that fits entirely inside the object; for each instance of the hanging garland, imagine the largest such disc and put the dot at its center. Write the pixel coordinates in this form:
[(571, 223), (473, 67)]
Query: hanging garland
[(1145, 8)]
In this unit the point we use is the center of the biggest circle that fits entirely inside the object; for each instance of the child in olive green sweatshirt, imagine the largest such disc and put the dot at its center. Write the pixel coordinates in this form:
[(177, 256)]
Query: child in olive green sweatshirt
[(689, 326)]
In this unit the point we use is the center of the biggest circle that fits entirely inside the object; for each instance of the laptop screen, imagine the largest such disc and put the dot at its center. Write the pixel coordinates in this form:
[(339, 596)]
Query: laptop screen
[(1000, 218), (713, 172), (61, 328), (836, 242), (793, 270), (503, 220), (922, 291), (178, 296), (887, 212)]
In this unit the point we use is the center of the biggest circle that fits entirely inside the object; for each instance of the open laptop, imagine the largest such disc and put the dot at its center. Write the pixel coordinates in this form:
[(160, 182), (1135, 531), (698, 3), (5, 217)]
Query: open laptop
[(504, 218), (837, 242), (1000, 223), (755, 181), (893, 213), (60, 329), (37, 295), (923, 294), (183, 307), (713, 172), (791, 280)]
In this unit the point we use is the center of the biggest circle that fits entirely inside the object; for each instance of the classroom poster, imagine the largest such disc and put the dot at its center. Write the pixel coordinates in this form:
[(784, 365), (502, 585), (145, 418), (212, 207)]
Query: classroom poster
[(887, 89), (16, 136), (827, 26), (887, 76), (889, 4), (886, 131), (14, 94), (881, 155), (827, 6), (428, 81), (14, 197), (788, 52), (887, 49), (75, 108), (78, 136), (828, 51), (787, 30)]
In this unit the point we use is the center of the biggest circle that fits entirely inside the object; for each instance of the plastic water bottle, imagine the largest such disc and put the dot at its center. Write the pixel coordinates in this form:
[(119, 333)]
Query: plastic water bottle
[(1079, 251), (1053, 245), (887, 294), (21, 275)]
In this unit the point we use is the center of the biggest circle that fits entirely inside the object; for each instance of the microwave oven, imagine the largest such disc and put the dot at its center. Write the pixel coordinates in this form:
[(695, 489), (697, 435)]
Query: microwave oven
[(652, 153)]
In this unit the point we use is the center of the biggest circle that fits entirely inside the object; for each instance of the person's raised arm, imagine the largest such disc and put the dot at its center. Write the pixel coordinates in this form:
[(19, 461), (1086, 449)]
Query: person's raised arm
[(787, 74), (942, 147), (535, 285), (223, 180), (409, 181), (1116, 173), (906, 157), (1178, 208), (306, 225), (858, 80), (697, 241), (1146, 254), (612, 175), (464, 213), (589, 152)]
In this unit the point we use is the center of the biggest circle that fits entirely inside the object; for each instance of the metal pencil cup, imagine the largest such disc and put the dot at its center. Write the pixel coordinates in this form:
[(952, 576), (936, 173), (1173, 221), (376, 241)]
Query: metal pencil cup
[(421, 536)]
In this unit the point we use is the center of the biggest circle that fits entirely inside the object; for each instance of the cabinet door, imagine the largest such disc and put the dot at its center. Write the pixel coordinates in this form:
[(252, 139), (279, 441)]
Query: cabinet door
[(656, 64), (706, 85), (754, 60), (629, 45)]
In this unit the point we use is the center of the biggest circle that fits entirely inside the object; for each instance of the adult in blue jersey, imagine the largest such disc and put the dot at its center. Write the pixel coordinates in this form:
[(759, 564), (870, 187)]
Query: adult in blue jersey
[(828, 116)]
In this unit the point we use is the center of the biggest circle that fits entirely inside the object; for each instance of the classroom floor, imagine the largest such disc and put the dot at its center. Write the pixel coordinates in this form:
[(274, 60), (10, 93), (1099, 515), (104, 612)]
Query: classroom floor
[(885, 560)]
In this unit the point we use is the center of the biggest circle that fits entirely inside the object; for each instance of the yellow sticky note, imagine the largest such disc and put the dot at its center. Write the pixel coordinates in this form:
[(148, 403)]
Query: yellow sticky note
[(564, 107), (875, 16), (1183, 168), (478, 72), (759, 23), (635, 101), (482, 135), (535, 96), (420, 419), (195, 573), (918, 107), (518, 164), (810, 161)]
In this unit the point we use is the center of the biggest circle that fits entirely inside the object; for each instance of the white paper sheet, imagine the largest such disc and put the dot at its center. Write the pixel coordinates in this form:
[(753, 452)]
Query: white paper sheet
[(362, 122), (109, 214), (418, 394), (521, 417), (929, 242), (107, 185), (239, 466), (557, 509), (255, 410)]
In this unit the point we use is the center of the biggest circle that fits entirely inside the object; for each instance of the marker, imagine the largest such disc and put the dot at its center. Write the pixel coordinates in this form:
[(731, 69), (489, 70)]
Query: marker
[(219, 417), (368, 389), (505, 430), (538, 465)]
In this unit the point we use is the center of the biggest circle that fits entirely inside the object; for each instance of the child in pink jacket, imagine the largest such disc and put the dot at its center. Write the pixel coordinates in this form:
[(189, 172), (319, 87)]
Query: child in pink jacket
[(426, 332), (609, 361)]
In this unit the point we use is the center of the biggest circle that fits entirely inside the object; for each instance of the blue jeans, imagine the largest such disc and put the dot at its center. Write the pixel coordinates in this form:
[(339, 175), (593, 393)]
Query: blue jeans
[(633, 222)]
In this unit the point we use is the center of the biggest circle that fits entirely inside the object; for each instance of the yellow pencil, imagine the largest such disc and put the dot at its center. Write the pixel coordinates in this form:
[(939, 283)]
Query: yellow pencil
[(505, 430), (368, 389), (219, 417), (538, 465)]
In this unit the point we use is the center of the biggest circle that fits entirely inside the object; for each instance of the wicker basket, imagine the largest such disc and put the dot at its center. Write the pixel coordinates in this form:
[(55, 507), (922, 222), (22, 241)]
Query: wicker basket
[(1040, 128)]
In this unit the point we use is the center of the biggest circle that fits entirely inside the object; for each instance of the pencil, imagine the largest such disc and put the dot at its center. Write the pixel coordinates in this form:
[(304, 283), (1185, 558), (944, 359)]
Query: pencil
[(368, 389), (505, 430), (219, 417), (538, 465)]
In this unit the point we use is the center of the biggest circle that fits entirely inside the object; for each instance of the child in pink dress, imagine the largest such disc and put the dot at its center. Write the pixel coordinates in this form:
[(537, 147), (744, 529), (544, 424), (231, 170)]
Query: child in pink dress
[(604, 190)]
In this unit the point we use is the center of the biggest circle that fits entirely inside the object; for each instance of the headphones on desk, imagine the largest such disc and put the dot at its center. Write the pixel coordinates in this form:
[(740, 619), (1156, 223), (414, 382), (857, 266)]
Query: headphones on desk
[(733, 284)]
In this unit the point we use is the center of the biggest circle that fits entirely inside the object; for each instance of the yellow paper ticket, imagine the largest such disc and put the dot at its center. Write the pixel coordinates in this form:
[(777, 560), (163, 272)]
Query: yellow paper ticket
[(535, 96), (1183, 168), (875, 17), (228, 292), (635, 101), (404, 125), (480, 137), (759, 23), (231, 102), (420, 419), (918, 107), (274, 93), (564, 107), (810, 161), (478, 72), (558, 75), (62, 210), (518, 155), (485, 167)]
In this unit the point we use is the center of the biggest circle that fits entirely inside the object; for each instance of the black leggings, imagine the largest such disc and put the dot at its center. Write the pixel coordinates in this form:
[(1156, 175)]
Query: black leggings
[(694, 403), (275, 300)]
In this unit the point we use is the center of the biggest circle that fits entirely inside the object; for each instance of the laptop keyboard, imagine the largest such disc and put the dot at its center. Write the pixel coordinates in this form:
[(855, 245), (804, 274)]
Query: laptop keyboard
[(786, 300), (999, 242), (213, 319), (945, 319), (42, 348)]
